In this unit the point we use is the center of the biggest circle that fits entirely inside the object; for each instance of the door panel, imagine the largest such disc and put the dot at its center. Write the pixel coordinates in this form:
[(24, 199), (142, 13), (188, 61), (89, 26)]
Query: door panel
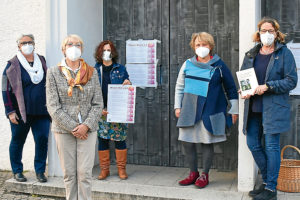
[(152, 140), (147, 141)]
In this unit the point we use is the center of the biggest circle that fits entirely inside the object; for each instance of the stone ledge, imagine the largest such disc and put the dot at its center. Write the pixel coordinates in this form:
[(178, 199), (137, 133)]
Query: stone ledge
[(145, 183), (105, 190)]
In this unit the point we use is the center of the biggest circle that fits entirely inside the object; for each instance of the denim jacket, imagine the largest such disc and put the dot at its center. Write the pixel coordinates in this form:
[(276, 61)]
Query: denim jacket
[(281, 77), (117, 75)]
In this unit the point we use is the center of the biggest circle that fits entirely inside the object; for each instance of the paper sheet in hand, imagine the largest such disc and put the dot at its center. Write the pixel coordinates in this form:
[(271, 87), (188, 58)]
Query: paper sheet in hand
[(121, 103), (247, 81)]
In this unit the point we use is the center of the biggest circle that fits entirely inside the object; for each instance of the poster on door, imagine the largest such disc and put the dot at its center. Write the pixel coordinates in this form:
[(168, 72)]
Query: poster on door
[(141, 51), (295, 49), (142, 75)]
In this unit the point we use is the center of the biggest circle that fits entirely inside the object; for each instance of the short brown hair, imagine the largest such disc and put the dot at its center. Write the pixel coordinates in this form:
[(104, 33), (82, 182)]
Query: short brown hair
[(280, 36), (99, 51), (205, 37)]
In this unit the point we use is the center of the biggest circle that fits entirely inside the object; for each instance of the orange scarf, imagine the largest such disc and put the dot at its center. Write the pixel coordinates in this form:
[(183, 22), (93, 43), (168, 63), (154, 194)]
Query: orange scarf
[(82, 77)]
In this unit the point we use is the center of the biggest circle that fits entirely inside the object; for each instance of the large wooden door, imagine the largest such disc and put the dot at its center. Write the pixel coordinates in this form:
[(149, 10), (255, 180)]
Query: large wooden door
[(152, 140), (220, 18), (287, 13), (148, 138)]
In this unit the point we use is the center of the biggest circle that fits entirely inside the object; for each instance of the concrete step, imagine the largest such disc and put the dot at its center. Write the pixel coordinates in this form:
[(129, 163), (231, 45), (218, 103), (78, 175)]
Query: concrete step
[(144, 182)]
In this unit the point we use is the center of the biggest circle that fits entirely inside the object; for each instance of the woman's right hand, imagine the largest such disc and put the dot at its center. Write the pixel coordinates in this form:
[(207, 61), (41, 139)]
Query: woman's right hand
[(13, 117), (104, 112), (177, 112), (81, 131)]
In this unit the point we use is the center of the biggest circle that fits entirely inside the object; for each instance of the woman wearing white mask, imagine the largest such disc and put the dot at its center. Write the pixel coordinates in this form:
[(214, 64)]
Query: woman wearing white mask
[(74, 101), (24, 97), (201, 105), (110, 72), (267, 111)]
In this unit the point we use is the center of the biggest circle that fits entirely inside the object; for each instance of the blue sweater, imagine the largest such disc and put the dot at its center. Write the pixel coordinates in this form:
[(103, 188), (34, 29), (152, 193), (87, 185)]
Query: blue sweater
[(210, 106), (34, 94)]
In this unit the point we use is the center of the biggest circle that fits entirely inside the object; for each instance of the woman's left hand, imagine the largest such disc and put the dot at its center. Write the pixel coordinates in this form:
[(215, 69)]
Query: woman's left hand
[(234, 118), (261, 89), (81, 131), (127, 82)]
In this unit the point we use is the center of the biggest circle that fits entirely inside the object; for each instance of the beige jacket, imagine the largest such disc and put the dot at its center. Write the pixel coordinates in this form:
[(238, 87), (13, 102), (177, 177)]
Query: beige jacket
[(64, 109)]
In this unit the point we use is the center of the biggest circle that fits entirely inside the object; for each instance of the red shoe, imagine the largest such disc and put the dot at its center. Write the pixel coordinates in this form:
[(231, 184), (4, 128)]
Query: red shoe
[(190, 179), (202, 181)]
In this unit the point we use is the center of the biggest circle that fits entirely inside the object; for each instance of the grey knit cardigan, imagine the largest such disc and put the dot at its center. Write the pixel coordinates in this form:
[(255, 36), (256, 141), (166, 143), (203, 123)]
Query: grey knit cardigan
[(64, 109)]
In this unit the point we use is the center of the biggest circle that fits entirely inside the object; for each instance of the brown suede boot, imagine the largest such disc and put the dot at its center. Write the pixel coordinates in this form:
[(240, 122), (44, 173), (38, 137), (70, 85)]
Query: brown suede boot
[(104, 164), (121, 158)]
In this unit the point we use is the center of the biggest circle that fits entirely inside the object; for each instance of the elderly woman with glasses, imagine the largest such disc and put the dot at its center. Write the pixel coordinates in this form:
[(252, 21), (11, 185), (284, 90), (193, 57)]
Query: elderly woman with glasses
[(267, 111), (74, 101), (24, 97)]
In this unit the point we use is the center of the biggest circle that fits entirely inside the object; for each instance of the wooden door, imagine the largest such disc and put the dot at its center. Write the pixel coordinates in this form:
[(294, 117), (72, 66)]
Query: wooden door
[(152, 140)]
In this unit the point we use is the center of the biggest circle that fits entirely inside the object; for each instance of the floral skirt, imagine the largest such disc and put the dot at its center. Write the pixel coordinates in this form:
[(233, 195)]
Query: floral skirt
[(112, 131)]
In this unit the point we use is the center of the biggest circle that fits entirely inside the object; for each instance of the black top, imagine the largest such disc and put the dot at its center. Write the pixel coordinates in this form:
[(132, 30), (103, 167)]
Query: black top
[(34, 94), (105, 81), (260, 66)]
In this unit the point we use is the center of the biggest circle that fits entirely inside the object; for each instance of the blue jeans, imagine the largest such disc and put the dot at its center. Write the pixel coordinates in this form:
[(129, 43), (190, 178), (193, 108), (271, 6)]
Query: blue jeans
[(267, 158), (104, 144), (40, 130)]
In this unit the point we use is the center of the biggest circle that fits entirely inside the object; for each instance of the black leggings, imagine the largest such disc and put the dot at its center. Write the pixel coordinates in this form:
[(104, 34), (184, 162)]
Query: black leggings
[(104, 144), (190, 152)]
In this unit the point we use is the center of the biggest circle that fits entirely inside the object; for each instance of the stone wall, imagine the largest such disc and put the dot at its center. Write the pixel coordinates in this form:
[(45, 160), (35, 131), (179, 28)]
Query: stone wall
[(18, 17)]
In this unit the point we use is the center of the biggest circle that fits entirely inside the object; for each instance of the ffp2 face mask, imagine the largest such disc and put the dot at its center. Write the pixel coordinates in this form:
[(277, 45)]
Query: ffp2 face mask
[(202, 51)]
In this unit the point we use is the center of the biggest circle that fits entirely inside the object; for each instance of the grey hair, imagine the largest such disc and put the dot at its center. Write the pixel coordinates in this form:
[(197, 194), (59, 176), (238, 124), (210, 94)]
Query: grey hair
[(25, 35)]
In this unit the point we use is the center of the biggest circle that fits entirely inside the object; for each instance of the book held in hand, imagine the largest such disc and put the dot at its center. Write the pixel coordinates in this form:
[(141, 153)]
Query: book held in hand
[(247, 81)]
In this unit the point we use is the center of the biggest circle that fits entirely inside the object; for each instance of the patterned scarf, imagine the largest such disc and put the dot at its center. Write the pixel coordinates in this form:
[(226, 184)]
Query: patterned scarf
[(82, 77)]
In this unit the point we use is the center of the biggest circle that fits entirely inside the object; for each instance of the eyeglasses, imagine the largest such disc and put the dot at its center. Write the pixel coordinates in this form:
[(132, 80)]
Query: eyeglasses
[(26, 42), (72, 44), (270, 31)]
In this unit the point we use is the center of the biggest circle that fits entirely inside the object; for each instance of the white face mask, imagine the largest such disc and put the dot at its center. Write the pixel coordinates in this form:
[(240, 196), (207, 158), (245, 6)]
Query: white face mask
[(73, 53), (267, 38), (106, 56), (27, 49), (202, 52)]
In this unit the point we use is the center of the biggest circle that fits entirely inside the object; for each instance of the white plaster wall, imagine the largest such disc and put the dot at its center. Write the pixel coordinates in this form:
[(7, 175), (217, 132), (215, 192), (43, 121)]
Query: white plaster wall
[(86, 20), (248, 18), (17, 17)]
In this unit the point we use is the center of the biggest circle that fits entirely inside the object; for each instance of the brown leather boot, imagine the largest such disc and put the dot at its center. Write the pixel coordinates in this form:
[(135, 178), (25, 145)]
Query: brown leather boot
[(104, 164), (121, 158)]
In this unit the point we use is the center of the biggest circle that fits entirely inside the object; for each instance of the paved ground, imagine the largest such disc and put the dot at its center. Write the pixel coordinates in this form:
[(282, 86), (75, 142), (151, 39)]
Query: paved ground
[(6, 195), (144, 183)]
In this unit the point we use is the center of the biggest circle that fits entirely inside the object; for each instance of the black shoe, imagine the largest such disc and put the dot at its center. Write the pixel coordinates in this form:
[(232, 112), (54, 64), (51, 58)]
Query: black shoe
[(41, 177), (255, 192), (20, 177), (266, 195)]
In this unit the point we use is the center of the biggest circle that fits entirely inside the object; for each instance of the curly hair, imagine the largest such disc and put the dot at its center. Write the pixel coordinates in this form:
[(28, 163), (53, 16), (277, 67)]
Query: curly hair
[(279, 35), (99, 51)]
